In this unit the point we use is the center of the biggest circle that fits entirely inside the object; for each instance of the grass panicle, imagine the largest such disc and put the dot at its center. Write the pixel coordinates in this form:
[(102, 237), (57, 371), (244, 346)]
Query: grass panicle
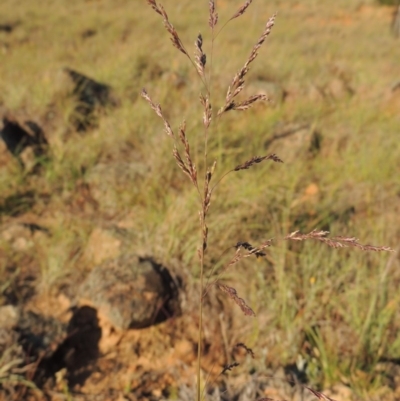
[(243, 249)]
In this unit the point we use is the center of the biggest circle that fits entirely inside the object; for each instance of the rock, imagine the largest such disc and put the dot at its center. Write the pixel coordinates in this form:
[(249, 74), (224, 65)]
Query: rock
[(91, 96), (26, 141), (38, 331), (9, 316), (292, 141), (131, 292)]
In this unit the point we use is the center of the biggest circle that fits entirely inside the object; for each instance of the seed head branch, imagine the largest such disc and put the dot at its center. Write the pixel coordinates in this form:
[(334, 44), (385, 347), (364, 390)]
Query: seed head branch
[(238, 256), (207, 114), (199, 56), (237, 84), (257, 159), (248, 350), (239, 301), (191, 168), (154, 6), (246, 104), (335, 242), (176, 41), (213, 18), (241, 10), (229, 367), (157, 108)]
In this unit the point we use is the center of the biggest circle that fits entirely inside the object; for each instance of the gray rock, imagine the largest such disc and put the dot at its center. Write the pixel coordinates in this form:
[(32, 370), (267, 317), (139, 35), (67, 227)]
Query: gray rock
[(131, 292)]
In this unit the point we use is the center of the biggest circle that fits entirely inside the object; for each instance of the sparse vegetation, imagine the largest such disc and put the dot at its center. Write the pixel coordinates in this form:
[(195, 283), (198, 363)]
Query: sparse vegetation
[(333, 314)]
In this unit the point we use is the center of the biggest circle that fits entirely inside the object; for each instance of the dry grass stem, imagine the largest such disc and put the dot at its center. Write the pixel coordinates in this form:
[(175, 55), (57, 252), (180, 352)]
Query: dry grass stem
[(248, 350), (229, 367), (176, 41), (237, 84), (199, 56), (257, 159), (213, 18), (335, 242), (239, 301), (157, 108), (241, 10)]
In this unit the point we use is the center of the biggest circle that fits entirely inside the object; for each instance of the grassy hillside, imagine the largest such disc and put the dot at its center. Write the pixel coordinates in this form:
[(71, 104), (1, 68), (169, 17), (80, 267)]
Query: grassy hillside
[(332, 72)]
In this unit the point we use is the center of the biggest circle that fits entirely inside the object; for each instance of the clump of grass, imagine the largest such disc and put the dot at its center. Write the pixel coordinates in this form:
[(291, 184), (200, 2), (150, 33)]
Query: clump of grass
[(206, 178)]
